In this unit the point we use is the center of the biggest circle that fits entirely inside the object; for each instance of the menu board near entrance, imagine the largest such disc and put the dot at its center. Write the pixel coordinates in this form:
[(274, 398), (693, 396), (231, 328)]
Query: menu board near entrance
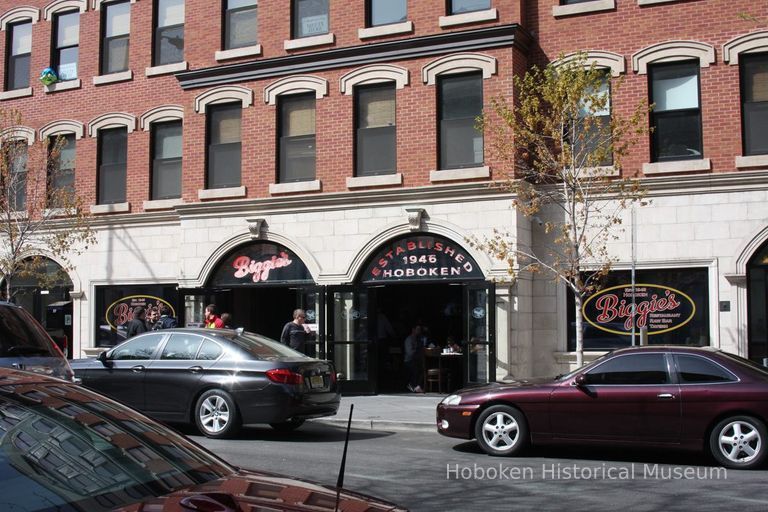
[(421, 258)]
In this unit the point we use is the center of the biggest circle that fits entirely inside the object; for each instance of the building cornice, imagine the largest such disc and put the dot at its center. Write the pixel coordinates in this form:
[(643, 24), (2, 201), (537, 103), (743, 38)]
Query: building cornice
[(353, 56)]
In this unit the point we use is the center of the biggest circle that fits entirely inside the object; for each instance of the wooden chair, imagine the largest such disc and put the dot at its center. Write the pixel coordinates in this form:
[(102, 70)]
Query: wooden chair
[(434, 373)]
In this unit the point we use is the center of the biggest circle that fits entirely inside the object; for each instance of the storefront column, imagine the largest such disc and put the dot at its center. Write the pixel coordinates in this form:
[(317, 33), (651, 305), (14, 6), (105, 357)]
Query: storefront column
[(740, 312), (520, 337), (80, 325), (503, 332)]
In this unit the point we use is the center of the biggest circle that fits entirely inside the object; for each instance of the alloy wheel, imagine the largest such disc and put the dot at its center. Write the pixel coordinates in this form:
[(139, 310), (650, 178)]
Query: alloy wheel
[(501, 431), (214, 414), (740, 442)]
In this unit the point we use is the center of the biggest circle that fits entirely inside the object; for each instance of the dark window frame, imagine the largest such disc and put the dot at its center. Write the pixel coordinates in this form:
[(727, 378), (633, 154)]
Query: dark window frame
[(208, 139), (574, 2), (10, 59), (609, 116), (654, 114), (450, 11), (104, 40), (100, 163), (56, 50), (732, 378), (157, 36), (295, 21), (356, 113), (153, 160), (369, 22), (743, 94), (18, 202), (440, 157), (226, 24), (280, 177), (55, 181)]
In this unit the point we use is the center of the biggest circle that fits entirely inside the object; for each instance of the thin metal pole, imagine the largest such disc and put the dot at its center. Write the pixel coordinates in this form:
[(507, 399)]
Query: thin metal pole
[(634, 259)]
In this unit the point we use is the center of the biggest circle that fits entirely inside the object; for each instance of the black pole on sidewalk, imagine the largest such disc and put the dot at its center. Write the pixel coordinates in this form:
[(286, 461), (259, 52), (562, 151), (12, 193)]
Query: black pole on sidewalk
[(340, 481)]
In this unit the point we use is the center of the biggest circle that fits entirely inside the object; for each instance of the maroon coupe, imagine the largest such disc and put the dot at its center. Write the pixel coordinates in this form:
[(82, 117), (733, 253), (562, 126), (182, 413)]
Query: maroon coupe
[(684, 397)]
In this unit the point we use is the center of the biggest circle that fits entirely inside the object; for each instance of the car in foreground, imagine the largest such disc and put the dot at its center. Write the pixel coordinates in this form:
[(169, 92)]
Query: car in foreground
[(218, 379), (65, 447), (661, 396), (25, 344)]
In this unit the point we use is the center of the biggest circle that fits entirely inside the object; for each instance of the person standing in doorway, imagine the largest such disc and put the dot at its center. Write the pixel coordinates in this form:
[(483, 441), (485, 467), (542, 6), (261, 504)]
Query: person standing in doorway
[(226, 319), (166, 321), (413, 354), (136, 324), (212, 320), (296, 333)]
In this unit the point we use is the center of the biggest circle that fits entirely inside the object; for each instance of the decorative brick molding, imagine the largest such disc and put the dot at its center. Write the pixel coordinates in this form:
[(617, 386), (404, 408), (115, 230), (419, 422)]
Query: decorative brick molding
[(62, 127), (468, 17), (224, 94), (161, 114), (22, 13), (748, 43), (374, 74), (97, 3), (600, 58), (24, 133), (63, 5), (111, 120), (673, 51), (295, 85), (385, 30), (583, 8), (458, 63)]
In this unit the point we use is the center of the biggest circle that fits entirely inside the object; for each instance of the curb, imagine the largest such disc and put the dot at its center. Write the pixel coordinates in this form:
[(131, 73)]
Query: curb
[(413, 426)]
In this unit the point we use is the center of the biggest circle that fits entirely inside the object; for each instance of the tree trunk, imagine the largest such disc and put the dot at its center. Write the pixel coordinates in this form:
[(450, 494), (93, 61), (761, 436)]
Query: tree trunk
[(579, 331)]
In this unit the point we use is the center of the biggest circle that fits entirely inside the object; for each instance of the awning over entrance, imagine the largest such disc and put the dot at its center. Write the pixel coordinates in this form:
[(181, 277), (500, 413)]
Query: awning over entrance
[(260, 263), (421, 257)]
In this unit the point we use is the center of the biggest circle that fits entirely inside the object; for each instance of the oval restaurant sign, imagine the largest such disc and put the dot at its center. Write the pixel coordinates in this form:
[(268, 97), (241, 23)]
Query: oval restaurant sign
[(122, 309), (259, 263), (660, 308), (422, 257)]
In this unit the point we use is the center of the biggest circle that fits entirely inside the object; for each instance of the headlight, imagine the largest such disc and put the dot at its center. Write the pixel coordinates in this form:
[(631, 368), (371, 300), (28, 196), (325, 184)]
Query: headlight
[(452, 400)]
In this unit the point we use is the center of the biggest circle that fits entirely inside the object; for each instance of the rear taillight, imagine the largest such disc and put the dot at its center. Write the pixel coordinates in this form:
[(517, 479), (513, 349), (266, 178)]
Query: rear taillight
[(333, 377), (284, 376)]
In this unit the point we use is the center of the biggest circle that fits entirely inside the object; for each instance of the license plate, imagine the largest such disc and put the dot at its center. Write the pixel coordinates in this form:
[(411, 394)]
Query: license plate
[(316, 381)]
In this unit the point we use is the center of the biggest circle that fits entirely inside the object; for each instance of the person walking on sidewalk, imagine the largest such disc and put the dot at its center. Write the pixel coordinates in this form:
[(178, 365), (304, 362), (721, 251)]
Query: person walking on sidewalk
[(296, 332), (413, 357)]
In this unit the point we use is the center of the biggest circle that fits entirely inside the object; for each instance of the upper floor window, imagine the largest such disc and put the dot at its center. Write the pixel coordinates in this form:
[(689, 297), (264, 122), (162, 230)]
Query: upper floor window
[(169, 32), (17, 64), (754, 99), (592, 129), (676, 117), (376, 132), (240, 23), (16, 155), (297, 138), (462, 6), (571, 2), (224, 146), (62, 173), (115, 42), (385, 12), (310, 18), (166, 160), (113, 165), (460, 100), (66, 38)]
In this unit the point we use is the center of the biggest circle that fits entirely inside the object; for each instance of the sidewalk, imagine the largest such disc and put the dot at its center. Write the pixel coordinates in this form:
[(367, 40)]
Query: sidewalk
[(407, 411)]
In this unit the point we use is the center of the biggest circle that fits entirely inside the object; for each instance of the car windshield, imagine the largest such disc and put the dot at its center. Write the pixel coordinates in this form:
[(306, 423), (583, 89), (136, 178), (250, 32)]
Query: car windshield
[(63, 448), (21, 335), (262, 347), (566, 376)]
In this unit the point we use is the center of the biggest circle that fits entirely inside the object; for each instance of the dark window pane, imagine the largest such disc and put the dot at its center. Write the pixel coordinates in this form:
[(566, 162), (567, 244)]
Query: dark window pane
[(113, 151), (142, 348), (210, 351), (677, 136), (18, 72), (695, 369), (460, 6), (169, 45), (117, 28), (384, 12), (635, 369), (587, 139), (17, 163), (461, 102), (676, 117), (67, 67), (376, 132), (310, 17), (241, 24), (68, 29), (756, 128), (115, 55), (166, 167), (170, 13), (118, 19), (755, 104), (64, 171), (224, 151), (461, 97), (297, 141), (181, 346)]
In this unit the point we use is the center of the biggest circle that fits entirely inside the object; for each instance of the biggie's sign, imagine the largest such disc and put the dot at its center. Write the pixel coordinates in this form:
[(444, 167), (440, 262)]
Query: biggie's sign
[(659, 308), (260, 263), (120, 311)]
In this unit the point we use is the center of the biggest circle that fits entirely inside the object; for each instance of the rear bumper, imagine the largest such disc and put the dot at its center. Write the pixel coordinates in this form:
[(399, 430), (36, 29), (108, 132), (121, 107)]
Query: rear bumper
[(280, 403), (456, 420)]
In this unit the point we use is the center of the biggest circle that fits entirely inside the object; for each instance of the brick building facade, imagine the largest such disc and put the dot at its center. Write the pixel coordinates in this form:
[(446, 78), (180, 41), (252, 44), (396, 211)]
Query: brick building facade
[(317, 80)]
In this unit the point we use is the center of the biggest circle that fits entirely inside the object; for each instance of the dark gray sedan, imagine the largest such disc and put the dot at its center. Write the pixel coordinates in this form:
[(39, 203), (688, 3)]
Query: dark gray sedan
[(218, 379)]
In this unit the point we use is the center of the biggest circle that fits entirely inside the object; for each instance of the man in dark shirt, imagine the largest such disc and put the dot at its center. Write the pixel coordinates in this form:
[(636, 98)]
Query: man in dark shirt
[(295, 333), (136, 325)]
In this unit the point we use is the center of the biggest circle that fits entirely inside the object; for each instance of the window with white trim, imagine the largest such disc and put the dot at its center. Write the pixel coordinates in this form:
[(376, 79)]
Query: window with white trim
[(19, 55), (310, 18), (15, 189), (463, 6), (460, 102), (240, 23), (116, 37), (376, 131), (166, 160), (676, 117), (297, 138), (754, 103), (386, 12), (224, 145), (169, 32), (62, 174), (66, 48), (592, 127), (113, 165)]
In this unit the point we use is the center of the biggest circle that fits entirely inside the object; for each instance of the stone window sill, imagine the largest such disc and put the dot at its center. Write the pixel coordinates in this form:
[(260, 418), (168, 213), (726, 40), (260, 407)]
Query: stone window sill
[(235, 53), (375, 181), (295, 187), (703, 164), (167, 69), (98, 209), (308, 42), (161, 204), (113, 77), (221, 193), (469, 173), (59, 212), (385, 30), (601, 171), (583, 8), (16, 93), (63, 86), (751, 161), (469, 17), (652, 2)]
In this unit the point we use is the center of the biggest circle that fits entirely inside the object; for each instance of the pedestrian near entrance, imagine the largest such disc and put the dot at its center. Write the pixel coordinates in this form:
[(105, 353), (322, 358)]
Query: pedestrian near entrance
[(136, 324), (151, 318), (166, 321), (296, 332), (413, 358), (226, 319), (212, 321)]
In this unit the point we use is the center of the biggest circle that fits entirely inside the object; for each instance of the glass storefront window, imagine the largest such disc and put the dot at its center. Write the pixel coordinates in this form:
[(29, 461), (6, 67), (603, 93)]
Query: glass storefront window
[(114, 306)]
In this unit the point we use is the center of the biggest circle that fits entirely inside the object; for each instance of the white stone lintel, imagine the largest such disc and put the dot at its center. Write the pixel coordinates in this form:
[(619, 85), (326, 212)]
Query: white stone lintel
[(385, 30), (221, 193), (468, 173), (375, 181), (309, 42), (704, 164), (468, 17), (98, 209), (236, 53), (111, 78), (295, 187)]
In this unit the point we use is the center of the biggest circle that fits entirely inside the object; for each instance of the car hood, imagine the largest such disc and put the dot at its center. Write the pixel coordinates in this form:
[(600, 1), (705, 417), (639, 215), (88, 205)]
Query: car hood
[(249, 490)]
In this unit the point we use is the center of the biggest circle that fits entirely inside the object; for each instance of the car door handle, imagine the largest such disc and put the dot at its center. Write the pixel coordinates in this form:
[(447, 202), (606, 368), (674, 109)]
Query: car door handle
[(195, 369), (666, 396), (137, 369)]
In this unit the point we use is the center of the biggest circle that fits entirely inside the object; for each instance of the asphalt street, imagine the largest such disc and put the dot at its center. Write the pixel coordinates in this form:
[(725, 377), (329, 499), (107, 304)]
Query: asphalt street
[(427, 472)]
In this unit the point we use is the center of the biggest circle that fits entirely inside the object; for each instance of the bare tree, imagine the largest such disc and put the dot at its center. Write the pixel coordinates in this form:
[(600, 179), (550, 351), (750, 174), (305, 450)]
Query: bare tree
[(41, 214), (562, 147)]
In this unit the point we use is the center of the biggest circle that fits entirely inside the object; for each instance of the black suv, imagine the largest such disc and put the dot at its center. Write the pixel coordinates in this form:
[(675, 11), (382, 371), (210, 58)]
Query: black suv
[(25, 345)]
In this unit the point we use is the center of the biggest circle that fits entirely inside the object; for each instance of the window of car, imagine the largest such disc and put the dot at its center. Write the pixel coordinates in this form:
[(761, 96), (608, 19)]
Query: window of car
[(262, 347), (631, 369), (210, 351), (143, 347), (21, 335), (698, 370), (181, 346)]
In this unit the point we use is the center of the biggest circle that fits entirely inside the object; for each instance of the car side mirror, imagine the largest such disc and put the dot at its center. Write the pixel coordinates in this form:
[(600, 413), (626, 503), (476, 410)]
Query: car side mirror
[(103, 358), (580, 380)]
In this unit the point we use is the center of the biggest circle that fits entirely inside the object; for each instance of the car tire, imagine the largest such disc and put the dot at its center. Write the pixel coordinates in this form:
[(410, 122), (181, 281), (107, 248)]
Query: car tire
[(501, 430), (287, 426), (739, 442), (216, 414)]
